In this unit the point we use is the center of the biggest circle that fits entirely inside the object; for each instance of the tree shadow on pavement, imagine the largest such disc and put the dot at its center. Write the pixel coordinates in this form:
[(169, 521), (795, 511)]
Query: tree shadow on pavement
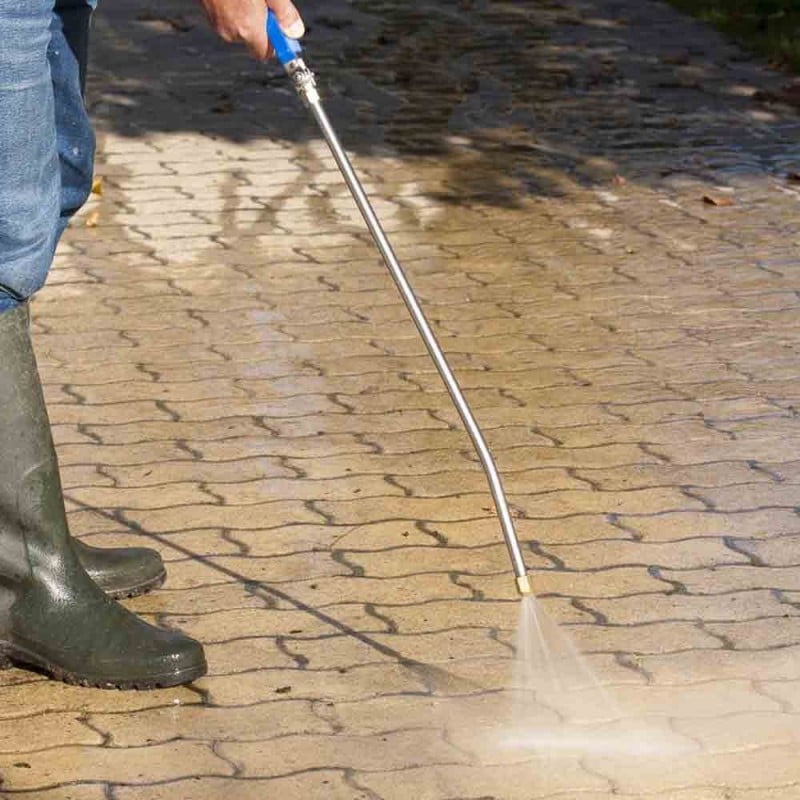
[(515, 99)]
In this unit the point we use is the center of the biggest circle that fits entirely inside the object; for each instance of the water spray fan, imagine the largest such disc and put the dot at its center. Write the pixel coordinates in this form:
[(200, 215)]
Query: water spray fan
[(288, 52)]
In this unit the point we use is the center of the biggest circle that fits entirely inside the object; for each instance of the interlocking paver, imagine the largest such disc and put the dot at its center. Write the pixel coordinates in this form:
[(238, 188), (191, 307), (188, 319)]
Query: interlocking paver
[(732, 578), (326, 683), (518, 782), (709, 608), (51, 729), (757, 522), (772, 728), (752, 769), (233, 379), (258, 722), (72, 764), (682, 554), (328, 783), (705, 667)]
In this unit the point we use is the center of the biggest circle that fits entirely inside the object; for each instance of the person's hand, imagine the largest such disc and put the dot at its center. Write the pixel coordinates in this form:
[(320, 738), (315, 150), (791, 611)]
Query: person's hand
[(245, 21)]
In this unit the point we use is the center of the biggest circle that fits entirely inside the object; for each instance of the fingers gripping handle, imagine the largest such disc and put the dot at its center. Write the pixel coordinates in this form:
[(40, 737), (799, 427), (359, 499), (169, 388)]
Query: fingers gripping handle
[(286, 48)]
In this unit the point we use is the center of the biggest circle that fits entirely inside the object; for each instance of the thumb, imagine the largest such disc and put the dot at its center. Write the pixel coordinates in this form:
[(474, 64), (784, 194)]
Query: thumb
[(288, 17)]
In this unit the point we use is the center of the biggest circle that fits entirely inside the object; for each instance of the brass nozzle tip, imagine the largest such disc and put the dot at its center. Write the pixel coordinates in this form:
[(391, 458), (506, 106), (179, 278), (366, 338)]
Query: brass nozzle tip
[(524, 585)]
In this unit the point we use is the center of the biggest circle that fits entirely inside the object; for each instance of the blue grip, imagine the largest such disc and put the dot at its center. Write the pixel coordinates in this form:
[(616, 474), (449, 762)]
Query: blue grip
[(286, 48)]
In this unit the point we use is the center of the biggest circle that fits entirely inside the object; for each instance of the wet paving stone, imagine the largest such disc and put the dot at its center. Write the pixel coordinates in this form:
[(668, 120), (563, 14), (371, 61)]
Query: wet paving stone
[(593, 201)]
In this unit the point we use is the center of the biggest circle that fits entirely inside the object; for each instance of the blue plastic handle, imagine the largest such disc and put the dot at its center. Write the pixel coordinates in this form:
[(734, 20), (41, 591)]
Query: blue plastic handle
[(286, 48)]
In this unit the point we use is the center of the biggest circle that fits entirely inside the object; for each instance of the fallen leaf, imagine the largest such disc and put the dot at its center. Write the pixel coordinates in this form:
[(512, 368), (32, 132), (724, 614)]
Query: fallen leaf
[(97, 186), (619, 180), (92, 219), (717, 200)]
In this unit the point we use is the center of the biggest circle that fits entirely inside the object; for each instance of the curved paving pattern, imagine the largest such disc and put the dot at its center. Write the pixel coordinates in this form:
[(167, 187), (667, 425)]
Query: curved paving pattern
[(232, 378)]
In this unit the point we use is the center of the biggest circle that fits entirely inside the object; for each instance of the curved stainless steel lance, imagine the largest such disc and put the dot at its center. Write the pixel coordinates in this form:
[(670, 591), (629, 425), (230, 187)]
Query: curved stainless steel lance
[(305, 84)]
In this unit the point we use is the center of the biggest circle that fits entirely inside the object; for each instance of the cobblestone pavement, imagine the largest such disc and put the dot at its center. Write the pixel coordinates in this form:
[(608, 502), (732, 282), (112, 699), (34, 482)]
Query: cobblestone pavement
[(232, 378)]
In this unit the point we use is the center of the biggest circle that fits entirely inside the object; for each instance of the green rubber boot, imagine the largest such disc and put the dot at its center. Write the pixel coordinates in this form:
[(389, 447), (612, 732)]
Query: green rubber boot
[(121, 571), (52, 615)]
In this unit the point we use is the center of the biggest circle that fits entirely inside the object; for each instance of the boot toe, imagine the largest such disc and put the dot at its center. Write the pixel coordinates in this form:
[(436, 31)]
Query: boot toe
[(85, 637), (162, 658), (122, 571), (179, 659)]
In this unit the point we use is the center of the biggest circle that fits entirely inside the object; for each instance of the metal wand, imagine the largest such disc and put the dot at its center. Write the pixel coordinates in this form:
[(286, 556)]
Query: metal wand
[(288, 52)]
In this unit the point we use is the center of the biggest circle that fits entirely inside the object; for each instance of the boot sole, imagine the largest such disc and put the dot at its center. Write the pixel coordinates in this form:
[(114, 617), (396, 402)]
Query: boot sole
[(12, 655), (139, 589)]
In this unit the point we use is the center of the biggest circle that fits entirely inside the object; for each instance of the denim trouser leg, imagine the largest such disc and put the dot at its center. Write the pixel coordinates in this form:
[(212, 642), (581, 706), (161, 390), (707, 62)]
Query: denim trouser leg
[(67, 54), (46, 142)]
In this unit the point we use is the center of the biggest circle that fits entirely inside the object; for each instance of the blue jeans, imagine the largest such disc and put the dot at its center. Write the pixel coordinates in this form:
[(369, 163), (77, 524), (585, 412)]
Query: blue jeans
[(46, 140)]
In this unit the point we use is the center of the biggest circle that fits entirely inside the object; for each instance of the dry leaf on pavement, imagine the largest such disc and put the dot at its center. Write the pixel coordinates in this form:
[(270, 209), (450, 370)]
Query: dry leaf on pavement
[(717, 200)]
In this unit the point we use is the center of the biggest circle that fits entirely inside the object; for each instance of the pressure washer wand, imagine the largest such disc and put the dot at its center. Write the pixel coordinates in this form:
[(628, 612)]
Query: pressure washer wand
[(288, 52)]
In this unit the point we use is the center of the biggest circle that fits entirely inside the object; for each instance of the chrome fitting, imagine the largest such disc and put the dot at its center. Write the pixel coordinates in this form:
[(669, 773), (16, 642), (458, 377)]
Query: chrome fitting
[(304, 81), (524, 585)]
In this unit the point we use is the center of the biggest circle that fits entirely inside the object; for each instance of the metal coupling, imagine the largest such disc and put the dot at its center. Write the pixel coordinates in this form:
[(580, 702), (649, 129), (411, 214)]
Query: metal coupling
[(304, 81)]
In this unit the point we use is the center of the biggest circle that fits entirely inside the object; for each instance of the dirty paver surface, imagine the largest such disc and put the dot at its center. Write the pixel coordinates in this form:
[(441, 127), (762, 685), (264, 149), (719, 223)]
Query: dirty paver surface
[(595, 201)]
